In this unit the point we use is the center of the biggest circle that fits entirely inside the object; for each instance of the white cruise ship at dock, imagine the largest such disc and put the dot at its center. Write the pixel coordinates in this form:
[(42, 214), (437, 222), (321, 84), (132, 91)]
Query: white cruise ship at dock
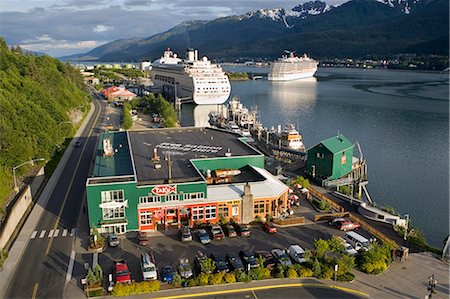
[(290, 67), (201, 81)]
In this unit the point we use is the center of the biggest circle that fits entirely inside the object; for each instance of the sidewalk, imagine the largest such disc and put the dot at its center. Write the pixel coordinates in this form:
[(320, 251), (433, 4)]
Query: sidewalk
[(23, 237)]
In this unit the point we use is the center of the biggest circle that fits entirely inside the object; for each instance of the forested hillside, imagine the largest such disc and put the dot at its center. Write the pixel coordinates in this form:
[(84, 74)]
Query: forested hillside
[(39, 96)]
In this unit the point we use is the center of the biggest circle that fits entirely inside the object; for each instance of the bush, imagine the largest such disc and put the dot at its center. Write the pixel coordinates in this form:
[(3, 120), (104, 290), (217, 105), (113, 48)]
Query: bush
[(176, 282), (3, 257), (306, 272), (280, 270), (347, 277), (265, 273), (203, 279), (259, 273), (230, 278), (207, 266), (291, 273), (328, 273), (216, 278), (324, 205), (241, 276), (192, 282), (317, 269), (144, 287), (376, 259)]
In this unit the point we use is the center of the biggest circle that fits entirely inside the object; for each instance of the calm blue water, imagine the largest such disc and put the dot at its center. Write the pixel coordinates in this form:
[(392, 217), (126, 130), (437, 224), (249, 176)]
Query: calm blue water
[(401, 120)]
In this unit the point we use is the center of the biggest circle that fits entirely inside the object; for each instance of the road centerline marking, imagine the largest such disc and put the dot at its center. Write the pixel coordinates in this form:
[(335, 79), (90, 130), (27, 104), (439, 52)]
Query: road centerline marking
[(73, 177), (35, 289)]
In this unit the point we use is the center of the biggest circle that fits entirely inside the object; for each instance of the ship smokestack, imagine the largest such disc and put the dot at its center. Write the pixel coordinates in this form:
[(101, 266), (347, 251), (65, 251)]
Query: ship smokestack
[(190, 55), (195, 54)]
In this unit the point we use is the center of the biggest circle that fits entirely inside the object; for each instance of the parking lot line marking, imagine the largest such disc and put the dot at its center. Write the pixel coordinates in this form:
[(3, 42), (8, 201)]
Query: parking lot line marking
[(72, 232), (254, 295), (70, 268), (36, 285), (64, 232), (33, 235), (56, 233), (318, 285), (42, 234), (50, 233)]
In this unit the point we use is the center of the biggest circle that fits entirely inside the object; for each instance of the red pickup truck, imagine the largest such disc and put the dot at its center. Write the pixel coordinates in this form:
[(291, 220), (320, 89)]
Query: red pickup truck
[(121, 272)]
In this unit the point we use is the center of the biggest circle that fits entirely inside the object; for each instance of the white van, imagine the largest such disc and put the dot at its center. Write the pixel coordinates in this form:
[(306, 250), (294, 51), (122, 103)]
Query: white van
[(357, 241), (149, 271)]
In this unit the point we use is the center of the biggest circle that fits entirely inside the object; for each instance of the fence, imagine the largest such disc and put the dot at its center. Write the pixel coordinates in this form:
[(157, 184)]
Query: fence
[(321, 196)]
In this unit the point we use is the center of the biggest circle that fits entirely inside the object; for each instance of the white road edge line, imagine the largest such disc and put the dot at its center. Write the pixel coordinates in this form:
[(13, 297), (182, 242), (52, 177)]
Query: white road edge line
[(33, 235), (70, 268), (95, 260)]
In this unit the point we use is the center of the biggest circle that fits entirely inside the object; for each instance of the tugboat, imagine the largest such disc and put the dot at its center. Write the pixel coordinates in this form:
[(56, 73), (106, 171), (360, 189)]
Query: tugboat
[(291, 138)]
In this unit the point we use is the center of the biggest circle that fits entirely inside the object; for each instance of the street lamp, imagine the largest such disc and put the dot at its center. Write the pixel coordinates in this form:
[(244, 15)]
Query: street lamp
[(431, 285), (16, 188), (406, 226)]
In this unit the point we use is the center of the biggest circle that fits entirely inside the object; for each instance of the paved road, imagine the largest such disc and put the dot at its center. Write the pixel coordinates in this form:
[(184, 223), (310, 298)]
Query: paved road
[(42, 270)]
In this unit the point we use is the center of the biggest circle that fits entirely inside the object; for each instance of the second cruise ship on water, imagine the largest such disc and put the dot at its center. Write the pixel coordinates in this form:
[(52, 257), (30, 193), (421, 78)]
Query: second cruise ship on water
[(201, 81), (289, 67)]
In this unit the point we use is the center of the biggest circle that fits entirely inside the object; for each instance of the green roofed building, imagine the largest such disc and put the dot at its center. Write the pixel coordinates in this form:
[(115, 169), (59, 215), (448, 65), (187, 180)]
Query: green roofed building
[(148, 179), (330, 159)]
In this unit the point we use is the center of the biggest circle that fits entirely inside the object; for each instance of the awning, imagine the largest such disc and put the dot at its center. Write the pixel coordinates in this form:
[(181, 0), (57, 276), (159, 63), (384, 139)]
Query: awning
[(293, 197), (304, 190)]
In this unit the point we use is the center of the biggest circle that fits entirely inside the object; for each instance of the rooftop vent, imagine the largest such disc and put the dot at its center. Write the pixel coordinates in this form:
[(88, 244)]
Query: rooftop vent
[(108, 150)]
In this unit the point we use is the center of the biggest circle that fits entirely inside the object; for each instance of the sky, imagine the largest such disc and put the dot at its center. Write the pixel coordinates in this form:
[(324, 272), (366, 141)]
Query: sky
[(64, 27)]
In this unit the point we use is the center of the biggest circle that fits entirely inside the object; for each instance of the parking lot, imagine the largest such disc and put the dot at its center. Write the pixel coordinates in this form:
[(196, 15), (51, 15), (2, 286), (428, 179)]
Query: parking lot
[(167, 247)]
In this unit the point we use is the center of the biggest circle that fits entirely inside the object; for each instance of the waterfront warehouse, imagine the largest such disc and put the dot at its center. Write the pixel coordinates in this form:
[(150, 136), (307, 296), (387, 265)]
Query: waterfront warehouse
[(331, 158), (150, 179)]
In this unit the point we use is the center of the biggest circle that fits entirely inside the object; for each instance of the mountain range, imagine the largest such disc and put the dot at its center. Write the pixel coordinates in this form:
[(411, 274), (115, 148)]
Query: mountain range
[(353, 29)]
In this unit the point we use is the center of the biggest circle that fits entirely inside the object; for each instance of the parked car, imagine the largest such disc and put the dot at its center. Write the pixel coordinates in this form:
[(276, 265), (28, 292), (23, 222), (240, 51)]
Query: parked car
[(281, 257), (348, 225), (248, 258), (203, 236), (113, 241), (217, 232), (349, 249), (231, 232), (121, 273), (142, 239), (184, 268), (269, 228), (167, 273), (221, 264), (78, 143), (242, 229), (148, 267), (269, 261), (297, 254), (336, 221), (234, 261), (185, 234)]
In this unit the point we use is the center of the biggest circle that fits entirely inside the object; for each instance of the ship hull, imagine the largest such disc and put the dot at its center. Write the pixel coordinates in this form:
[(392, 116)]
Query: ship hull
[(292, 76)]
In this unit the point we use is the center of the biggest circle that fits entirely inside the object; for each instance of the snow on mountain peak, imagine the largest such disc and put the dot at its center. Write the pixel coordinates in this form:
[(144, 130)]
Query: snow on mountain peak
[(404, 5)]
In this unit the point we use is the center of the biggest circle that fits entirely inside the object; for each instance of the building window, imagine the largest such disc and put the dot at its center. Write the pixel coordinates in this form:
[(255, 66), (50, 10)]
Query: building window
[(149, 199), (172, 197), (223, 211), (197, 213), (210, 212), (113, 213), (259, 207), (320, 155), (146, 217), (196, 195)]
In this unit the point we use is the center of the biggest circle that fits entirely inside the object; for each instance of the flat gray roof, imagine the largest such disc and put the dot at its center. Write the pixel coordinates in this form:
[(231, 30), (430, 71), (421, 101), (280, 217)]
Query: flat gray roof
[(182, 144)]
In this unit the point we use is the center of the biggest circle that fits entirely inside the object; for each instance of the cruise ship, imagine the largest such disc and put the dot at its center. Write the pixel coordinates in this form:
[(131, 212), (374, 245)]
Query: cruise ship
[(201, 81), (290, 67)]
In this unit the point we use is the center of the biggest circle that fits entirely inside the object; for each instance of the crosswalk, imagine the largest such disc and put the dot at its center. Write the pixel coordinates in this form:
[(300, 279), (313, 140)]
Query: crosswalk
[(55, 233)]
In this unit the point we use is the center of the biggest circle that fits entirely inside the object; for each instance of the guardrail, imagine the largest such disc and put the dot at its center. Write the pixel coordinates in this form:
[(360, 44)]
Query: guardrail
[(358, 220)]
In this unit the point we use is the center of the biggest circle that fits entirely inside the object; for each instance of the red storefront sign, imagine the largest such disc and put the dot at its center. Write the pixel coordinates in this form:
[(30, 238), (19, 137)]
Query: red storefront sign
[(343, 159), (164, 190)]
